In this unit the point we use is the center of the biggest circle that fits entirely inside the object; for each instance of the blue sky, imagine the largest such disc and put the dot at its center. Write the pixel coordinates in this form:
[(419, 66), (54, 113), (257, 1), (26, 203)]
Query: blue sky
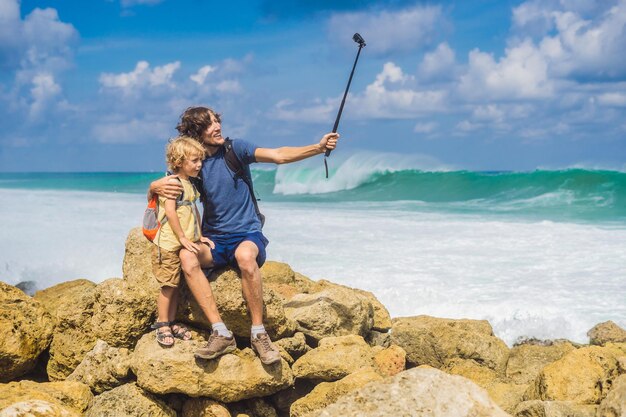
[(482, 85)]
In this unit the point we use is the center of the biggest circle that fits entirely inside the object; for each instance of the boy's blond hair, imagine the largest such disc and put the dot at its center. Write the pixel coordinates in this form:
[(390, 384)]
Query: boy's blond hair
[(181, 148)]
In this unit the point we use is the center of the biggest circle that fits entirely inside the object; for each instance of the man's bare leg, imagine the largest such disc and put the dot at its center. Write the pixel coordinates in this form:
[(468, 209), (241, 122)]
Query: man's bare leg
[(251, 284), (197, 282)]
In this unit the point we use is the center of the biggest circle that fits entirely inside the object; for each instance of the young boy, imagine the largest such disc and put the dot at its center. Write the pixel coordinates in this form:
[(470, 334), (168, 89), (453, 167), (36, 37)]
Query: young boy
[(180, 227)]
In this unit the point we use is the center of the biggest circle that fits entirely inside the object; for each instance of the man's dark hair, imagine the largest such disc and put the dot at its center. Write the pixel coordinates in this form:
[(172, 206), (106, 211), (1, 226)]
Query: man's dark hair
[(194, 122)]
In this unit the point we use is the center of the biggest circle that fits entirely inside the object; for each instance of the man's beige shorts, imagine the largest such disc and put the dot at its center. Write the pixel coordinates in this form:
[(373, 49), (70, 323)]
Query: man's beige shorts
[(167, 271)]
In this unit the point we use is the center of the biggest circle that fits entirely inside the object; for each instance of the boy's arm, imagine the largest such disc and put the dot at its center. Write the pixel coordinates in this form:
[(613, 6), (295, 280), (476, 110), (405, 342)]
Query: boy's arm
[(165, 187), (172, 219), (288, 154)]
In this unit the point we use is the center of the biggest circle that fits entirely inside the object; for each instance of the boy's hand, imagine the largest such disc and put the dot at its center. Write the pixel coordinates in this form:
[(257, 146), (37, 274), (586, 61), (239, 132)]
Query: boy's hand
[(208, 242), (168, 187), (189, 245)]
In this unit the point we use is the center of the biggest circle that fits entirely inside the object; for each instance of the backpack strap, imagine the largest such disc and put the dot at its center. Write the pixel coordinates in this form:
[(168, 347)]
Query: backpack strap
[(236, 166)]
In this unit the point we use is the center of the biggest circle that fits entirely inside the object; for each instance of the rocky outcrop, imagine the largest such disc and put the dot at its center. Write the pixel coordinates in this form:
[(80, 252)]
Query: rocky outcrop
[(37, 408), (137, 265), (25, 329), (204, 407), (614, 405), (425, 391), (103, 368), (334, 358), (389, 361), (527, 360), (328, 393), (536, 408), (583, 376), (255, 407), (230, 378), (434, 342), (59, 397), (334, 311), (128, 400), (122, 312), (381, 319), (73, 336), (60, 296), (607, 332)]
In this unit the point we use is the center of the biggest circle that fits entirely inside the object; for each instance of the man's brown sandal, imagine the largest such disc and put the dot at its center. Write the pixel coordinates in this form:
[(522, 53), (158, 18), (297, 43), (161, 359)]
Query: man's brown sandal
[(162, 334)]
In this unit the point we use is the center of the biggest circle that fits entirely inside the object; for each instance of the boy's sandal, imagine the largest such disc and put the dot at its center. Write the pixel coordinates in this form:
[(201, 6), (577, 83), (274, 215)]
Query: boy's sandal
[(180, 331), (163, 335)]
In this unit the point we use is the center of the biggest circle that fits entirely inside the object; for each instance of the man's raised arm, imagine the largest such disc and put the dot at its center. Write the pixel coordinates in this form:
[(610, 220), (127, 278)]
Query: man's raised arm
[(287, 154)]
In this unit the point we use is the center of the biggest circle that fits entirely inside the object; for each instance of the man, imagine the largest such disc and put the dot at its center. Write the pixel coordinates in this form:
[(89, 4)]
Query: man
[(231, 222)]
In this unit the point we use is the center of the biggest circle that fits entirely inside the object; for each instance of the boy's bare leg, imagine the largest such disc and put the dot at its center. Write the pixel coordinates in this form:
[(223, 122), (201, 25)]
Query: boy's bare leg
[(251, 284), (171, 313), (164, 302), (196, 281)]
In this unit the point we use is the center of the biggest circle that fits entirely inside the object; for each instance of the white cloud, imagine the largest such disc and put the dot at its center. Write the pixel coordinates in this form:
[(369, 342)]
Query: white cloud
[(229, 86), (201, 76), (44, 90), (316, 112), (439, 64), (427, 127), (389, 31), (393, 95), (612, 99), (142, 76), (521, 74), (130, 131)]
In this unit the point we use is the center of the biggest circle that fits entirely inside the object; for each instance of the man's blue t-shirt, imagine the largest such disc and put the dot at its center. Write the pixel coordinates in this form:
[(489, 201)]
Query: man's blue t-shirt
[(228, 208)]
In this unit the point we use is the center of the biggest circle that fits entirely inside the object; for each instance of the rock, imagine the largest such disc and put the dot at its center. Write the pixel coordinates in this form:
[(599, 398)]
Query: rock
[(28, 287), (137, 265), (63, 295), (435, 341), (37, 408), (73, 336), (335, 358), (527, 360), (72, 396), (382, 319), (376, 338), (334, 311), (129, 401), (614, 405), (255, 407), (229, 378), (583, 375), (606, 332), (204, 407), (26, 329), (283, 400), (504, 393), (419, 392), (226, 286), (122, 312), (390, 361), (327, 393), (295, 346), (103, 368), (536, 408)]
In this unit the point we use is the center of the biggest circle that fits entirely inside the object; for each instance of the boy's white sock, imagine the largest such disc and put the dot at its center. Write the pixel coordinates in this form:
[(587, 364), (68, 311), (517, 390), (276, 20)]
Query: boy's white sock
[(221, 329), (256, 329)]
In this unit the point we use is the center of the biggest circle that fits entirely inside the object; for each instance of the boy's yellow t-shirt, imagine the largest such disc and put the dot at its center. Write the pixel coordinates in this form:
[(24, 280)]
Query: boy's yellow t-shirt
[(165, 238)]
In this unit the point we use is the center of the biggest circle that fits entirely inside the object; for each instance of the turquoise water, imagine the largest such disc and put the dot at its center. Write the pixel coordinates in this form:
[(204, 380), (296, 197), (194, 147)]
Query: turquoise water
[(567, 195)]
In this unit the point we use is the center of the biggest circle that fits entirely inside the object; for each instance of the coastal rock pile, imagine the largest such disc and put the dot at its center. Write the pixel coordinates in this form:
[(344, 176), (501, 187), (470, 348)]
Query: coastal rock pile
[(86, 349)]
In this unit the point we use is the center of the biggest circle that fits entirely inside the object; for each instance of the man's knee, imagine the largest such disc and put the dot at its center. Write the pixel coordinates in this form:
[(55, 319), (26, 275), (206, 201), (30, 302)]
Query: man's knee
[(247, 263)]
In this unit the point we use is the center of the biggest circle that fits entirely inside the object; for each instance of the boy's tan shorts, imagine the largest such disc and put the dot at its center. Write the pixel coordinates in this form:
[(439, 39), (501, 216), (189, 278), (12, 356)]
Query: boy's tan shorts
[(167, 272)]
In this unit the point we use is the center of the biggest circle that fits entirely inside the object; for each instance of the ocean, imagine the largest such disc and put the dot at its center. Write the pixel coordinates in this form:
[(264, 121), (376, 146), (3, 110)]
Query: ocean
[(539, 254)]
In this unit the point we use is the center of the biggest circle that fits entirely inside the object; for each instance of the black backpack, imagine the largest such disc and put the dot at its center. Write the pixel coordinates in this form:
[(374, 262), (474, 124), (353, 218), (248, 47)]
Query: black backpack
[(238, 168)]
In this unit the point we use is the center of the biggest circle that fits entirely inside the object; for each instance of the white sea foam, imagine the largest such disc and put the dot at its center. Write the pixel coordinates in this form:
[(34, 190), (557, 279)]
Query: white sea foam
[(537, 279)]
